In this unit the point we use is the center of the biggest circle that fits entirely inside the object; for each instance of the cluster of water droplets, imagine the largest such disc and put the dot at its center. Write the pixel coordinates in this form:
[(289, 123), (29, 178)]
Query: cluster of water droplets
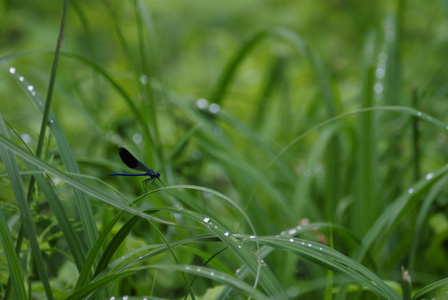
[(30, 88), (202, 104), (380, 72)]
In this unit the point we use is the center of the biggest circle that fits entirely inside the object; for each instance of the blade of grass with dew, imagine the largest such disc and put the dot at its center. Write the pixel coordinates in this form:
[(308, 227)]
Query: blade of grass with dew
[(335, 261), (25, 211), (394, 213), (82, 203), (266, 279), (16, 273)]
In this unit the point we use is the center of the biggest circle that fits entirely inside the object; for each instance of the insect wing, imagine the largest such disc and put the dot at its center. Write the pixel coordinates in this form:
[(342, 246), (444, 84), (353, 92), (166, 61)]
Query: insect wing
[(133, 163)]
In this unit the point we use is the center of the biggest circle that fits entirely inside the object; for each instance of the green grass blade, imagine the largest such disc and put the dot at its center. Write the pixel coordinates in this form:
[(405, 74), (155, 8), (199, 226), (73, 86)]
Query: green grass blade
[(117, 240), (431, 289), (25, 210), (217, 276), (13, 261), (334, 261), (82, 203), (73, 240)]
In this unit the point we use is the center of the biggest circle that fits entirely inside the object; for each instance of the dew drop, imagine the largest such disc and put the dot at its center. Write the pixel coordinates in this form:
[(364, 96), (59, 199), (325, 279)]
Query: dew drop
[(51, 121), (214, 108), (378, 88), (217, 131), (33, 93), (180, 208), (239, 246), (282, 233), (216, 227), (429, 176), (390, 35), (197, 154), (237, 271), (320, 248), (187, 268), (310, 245), (201, 103), (125, 297), (299, 227), (212, 273), (30, 88), (12, 70), (26, 138), (292, 231), (382, 57), (206, 219), (380, 72), (140, 257), (419, 114), (226, 233), (410, 191), (137, 138), (21, 78), (252, 236), (144, 79), (291, 240), (303, 243), (112, 298)]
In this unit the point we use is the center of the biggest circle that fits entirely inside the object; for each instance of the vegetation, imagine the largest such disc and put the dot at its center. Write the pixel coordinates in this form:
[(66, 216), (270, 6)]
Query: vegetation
[(302, 147)]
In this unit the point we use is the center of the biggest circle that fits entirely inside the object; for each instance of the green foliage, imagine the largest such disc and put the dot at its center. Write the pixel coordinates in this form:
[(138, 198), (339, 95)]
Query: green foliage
[(291, 137)]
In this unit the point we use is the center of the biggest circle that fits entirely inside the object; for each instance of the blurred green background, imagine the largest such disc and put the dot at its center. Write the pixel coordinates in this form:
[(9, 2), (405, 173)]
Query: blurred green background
[(131, 74)]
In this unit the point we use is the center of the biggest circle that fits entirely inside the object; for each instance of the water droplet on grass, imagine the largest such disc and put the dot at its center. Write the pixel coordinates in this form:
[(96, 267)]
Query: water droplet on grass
[(201, 103), (291, 240), (26, 138), (429, 176), (226, 233), (378, 88), (379, 72), (214, 108), (137, 138), (410, 191), (206, 219), (252, 236), (30, 88), (21, 78), (217, 131), (197, 154), (144, 79), (12, 70)]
